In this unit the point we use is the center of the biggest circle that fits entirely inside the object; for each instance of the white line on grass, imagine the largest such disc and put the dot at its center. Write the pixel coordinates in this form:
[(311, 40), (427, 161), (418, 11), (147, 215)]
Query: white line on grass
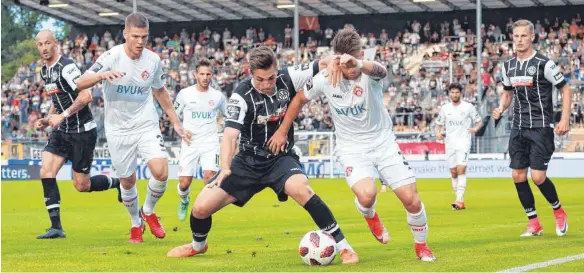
[(546, 263)]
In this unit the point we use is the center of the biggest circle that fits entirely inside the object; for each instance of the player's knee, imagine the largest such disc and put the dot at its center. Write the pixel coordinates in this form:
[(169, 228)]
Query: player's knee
[(201, 211), (160, 176), (538, 177), (519, 175), (46, 173), (82, 184), (366, 196), (453, 173), (461, 171), (413, 204)]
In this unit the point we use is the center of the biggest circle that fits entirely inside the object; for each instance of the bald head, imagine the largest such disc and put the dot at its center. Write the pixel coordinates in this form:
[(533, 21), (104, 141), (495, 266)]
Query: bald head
[(47, 45)]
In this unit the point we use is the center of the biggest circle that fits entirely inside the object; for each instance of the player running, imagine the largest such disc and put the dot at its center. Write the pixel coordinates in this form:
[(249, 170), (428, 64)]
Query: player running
[(199, 105), (530, 78), (131, 75), (457, 116), (255, 111), (74, 135), (365, 140)]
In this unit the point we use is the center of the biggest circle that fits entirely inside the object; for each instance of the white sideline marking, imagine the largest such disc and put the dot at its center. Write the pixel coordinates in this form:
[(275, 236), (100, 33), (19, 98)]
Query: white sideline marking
[(546, 263)]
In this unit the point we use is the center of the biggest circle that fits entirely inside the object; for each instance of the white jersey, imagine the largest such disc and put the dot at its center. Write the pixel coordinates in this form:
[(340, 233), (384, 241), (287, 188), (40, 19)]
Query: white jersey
[(360, 118), (129, 104), (199, 111), (458, 119)]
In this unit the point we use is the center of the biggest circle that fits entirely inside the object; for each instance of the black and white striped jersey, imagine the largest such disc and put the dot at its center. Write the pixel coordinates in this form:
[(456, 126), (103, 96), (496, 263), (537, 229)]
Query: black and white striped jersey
[(258, 115), (60, 83), (532, 82)]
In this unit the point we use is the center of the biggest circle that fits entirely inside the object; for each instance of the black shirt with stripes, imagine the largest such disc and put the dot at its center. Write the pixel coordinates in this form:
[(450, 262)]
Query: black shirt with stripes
[(257, 115), (60, 83), (532, 82)]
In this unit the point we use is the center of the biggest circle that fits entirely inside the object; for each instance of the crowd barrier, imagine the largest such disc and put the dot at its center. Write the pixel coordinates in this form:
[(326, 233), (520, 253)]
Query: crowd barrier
[(481, 166)]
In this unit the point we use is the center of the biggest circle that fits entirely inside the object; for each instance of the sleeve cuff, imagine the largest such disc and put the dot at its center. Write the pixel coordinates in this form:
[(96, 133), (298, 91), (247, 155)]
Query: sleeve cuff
[(508, 88), (233, 124), (561, 84)]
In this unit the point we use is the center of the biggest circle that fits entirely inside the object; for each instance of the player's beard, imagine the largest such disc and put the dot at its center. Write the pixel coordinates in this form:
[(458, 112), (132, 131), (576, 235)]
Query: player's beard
[(455, 100)]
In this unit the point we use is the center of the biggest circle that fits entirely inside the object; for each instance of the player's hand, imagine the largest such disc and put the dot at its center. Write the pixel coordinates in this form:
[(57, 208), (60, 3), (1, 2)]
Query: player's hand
[(188, 134), (440, 136), (563, 127), (110, 76), (277, 142), (334, 72), (41, 123), (179, 131), (348, 61), (223, 173), (55, 120), (497, 113)]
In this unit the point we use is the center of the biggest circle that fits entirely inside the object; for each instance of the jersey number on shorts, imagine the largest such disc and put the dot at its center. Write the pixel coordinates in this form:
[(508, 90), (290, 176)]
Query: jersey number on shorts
[(160, 142), (405, 161)]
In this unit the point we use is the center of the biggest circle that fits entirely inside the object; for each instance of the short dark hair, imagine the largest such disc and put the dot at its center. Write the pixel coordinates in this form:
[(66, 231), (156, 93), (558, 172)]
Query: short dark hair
[(454, 86), (347, 41), (202, 62), (262, 57), (138, 20)]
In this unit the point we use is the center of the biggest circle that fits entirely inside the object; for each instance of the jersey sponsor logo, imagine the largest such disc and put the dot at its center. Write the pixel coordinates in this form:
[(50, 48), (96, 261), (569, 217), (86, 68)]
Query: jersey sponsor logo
[(233, 111), (233, 101), (96, 67), (337, 96), (521, 81), (358, 91), (259, 102), (455, 123), (531, 70), (131, 90), (351, 111), (202, 115), (145, 75), (280, 113), (283, 95), (52, 88)]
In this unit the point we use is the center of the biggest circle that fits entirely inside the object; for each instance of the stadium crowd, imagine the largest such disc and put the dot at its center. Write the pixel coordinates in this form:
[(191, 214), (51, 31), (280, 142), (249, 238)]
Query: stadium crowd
[(418, 59)]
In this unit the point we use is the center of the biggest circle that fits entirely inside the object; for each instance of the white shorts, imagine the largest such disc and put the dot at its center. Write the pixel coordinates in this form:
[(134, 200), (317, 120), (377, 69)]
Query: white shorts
[(456, 157), (124, 150), (387, 160), (192, 158)]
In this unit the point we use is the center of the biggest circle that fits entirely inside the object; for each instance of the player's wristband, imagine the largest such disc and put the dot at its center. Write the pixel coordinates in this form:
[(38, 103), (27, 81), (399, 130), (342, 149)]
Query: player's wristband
[(359, 64), (65, 114)]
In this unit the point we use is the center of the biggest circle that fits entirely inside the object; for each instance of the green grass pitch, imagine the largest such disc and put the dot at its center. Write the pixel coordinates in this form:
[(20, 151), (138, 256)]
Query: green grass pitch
[(264, 235)]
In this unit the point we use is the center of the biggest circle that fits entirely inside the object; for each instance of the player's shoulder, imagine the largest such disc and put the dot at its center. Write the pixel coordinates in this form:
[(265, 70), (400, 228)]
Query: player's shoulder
[(244, 88), (541, 58), (150, 55), (114, 51), (216, 93), (66, 61)]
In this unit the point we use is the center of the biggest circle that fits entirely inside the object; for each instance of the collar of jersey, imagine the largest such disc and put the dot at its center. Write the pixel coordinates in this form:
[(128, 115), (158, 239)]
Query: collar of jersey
[(275, 90)]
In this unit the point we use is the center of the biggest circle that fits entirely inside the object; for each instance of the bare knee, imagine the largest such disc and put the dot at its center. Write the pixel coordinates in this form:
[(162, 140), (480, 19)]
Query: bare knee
[(409, 197), (366, 194), (161, 175), (519, 175), (538, 177), (461, 170), (82, 184), (297, 187), (454, 173), (200, 211), (47, 173)]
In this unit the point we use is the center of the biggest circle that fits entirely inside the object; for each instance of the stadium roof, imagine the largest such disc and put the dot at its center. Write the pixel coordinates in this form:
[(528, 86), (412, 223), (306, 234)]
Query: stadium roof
[(87, 12)]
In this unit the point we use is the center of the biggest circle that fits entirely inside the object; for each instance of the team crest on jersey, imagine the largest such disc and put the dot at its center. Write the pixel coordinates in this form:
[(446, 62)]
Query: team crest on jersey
[(358, 91), (145, 75), (531, 70), (55, 75), (211, 103), (283, 95), (348, 171), (52, 88)]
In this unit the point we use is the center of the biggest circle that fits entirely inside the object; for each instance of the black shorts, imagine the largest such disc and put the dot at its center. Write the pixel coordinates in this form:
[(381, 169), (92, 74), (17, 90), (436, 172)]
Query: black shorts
[(76, 147), (531, 148), (251, 174)]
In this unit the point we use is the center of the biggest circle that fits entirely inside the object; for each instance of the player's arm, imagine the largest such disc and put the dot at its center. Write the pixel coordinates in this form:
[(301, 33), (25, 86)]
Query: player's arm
[(553, 74), (179, 105), (44, 122), (99, 71), (163, 98), (476, 118), (507, 96), (440, 121), (372, 69), (301, 74), (71, 74), (313, 89)]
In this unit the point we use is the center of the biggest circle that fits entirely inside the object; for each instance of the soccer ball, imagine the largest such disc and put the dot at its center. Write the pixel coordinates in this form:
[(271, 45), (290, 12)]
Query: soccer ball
[(317, 248)]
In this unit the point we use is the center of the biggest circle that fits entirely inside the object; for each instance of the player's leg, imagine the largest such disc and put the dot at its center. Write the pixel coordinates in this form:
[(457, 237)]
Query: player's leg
[(461, 161), (394, 169), (209, 162), (542, 149), (123, 150), (359, 174), (151, 148), (519, 154), (51, 164), (186, 170), (287, 177), (81, 155)]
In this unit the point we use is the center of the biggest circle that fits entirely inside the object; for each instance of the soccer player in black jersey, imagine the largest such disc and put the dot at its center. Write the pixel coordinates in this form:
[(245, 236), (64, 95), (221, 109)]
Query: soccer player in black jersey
[(529, 79), (73, 136), (254, 112)]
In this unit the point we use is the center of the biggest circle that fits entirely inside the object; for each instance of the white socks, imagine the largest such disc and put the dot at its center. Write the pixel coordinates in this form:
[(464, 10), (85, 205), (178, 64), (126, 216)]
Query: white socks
[(198, 246), (343, 244), (367, 212), (155, 191), (418, 224), (184, 195), (460, 188), (130, 200)]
